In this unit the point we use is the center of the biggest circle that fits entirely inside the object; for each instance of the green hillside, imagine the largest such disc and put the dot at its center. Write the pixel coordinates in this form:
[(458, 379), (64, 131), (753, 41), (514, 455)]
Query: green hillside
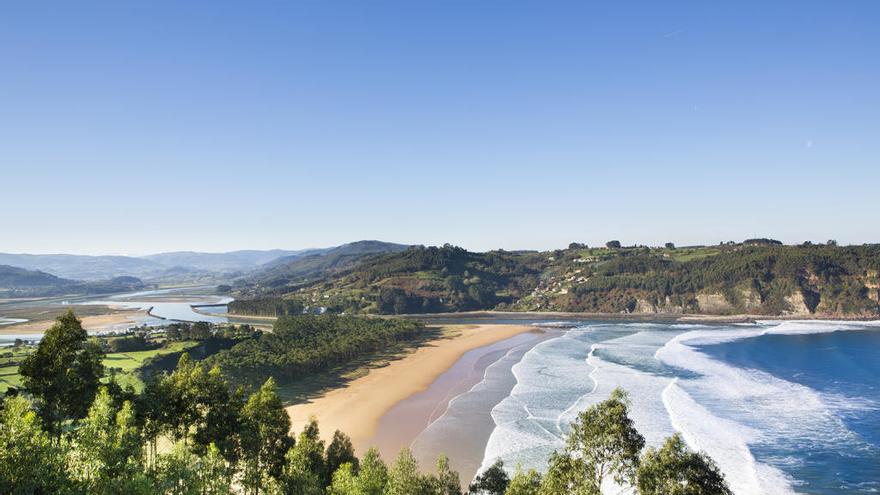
[(758, 276), (284, 274), (12, 277)]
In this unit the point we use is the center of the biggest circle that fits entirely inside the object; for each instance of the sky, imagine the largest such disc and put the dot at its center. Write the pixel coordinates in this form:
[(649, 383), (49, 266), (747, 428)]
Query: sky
[(140, 127)]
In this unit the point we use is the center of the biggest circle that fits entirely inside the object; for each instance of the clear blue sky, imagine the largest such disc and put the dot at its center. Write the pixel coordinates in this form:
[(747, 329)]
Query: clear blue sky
[(137, 127)]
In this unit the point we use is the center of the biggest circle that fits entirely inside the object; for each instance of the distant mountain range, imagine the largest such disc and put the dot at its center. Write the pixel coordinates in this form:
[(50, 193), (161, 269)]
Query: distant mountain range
[(84, 267), (49, 274), (20, 282)]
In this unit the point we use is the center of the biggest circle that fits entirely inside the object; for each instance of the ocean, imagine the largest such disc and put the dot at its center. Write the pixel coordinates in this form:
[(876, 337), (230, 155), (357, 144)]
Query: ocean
[(782, 407)]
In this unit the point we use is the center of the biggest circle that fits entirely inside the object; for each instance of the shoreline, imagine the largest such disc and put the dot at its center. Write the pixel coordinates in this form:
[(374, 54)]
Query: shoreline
[(490, 315), (382, 388), (659, 317)]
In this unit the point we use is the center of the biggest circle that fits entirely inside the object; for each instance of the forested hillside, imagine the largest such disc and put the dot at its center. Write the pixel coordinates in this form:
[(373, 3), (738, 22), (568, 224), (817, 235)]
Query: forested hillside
[(757, 276), (287, 273), (12, 277), (19, 282)]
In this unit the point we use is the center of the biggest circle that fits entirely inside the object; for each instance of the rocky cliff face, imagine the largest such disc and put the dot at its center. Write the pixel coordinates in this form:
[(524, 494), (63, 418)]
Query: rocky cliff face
[(643, 306), (797, 305), (715, 304)]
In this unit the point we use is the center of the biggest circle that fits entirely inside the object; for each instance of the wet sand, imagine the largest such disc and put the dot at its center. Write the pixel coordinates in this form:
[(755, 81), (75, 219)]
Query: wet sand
[(359, 406), (454, 415)]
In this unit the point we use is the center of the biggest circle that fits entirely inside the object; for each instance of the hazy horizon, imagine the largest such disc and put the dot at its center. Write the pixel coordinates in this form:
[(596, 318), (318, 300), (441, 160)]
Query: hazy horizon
[(137, 129), (561, 246)]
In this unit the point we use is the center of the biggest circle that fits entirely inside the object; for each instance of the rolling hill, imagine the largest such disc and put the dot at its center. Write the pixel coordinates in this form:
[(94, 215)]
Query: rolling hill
[(754, 277), (19, 282), (83, 267), (12, 277), (233, 261), (182, 265), (283, 273)]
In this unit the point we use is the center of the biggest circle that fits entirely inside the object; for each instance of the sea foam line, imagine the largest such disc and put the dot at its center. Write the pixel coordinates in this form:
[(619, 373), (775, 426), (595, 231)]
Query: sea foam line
[(726, 442), (768, 409)]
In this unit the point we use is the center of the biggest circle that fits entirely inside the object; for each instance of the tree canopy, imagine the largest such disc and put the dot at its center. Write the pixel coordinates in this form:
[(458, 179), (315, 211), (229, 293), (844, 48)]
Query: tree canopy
[(64, 371)]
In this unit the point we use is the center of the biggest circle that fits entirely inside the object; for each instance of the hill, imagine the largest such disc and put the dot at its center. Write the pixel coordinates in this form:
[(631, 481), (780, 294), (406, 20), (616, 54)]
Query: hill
[(232, 261), (12, 277), (763, 278), (284, 274), (165, 267), (18, 282), (83, 267)]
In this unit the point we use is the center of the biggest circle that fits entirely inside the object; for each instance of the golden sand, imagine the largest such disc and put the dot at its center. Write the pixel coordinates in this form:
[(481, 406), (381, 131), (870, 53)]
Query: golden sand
[(357, 407)]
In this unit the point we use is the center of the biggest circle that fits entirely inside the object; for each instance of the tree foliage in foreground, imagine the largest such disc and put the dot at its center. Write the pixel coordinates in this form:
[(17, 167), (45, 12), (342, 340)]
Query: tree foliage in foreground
[(675, 470), (602, 443), (64, 372)]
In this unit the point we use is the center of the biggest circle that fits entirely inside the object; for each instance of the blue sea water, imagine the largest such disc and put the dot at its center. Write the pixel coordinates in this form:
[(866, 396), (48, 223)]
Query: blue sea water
[(782, 407), (843, 367)]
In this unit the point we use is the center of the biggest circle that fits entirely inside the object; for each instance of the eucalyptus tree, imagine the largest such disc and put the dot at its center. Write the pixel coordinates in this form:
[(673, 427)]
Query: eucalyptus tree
[(344, 482), (674, 469), (301, 475), (64, 372), (218, 418), (372, 474), (30, 461), (492, 481), (603, 444), (181, 472), (106, 454), (339, 452), (524, 483), (404, 477), (447, 481), (264, 436)]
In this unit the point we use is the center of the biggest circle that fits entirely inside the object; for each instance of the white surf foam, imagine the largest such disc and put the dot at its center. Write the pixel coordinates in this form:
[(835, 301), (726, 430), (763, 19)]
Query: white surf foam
[(562, 377), (758, 408), (549, 378), (719, 409), (726, 442)]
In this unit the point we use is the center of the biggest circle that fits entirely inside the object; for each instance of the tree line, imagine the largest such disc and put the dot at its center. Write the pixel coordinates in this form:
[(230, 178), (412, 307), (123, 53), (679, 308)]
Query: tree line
[(305, 344), (267, 306)]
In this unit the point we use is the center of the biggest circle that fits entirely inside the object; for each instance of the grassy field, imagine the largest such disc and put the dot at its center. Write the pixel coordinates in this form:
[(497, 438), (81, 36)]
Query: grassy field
[(9, 357), (123, 364), (9, 377), (690, 254)]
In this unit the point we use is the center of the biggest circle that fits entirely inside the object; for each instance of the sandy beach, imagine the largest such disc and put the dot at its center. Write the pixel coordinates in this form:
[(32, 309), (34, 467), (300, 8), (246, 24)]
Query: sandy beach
[(358, 407), (94, 323)]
